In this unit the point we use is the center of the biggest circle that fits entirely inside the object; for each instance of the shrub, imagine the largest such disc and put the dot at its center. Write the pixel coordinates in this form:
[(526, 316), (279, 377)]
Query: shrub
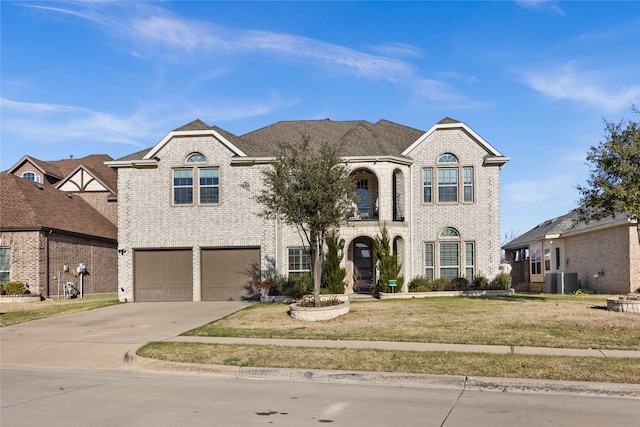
[(441, 284), (14, 288), (459, 284), (387, 262), (502, 281), (481, 282), (295, 286), (420, 284), (333, 275)]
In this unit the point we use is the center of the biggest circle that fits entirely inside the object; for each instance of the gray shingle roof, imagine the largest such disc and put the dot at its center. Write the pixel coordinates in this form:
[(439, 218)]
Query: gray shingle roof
[(353, 138), (557, 226)]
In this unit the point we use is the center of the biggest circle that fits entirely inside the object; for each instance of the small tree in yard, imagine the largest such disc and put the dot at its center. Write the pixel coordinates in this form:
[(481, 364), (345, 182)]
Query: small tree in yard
[(309, 187), (333, 277), (388, 264), (614, 185)]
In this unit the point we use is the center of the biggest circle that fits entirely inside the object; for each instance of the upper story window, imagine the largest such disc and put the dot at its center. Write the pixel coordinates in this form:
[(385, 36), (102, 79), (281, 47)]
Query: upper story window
[(451, 180), (31, 176), (196, 185), (448, 158), (196, 158)]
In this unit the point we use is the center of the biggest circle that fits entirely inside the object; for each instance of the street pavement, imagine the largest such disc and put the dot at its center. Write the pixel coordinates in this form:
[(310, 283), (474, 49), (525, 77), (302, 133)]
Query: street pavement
[(109, 337)]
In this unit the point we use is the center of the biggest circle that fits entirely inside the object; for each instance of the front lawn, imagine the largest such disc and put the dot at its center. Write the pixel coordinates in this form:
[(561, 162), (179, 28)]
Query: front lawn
[(12, 313), (522, 320)]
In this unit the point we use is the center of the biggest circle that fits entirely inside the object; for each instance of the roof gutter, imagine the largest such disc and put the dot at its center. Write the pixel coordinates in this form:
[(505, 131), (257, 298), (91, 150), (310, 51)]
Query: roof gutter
[(137, 164)]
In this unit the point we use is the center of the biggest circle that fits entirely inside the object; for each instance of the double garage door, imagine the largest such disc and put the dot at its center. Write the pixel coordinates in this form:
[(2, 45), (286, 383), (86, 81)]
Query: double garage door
[(167, 275)]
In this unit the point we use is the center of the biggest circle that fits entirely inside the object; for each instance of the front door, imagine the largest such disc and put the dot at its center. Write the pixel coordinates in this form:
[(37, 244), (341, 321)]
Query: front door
[(363, 265)]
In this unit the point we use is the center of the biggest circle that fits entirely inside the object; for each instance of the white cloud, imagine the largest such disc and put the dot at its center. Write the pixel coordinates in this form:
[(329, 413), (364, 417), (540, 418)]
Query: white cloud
[(397, 49), (158, 33), (52, 123), (542, 5), (592, 87)]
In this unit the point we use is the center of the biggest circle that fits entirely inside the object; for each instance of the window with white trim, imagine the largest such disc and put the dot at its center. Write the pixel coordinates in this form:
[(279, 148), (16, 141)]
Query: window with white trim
[(5, 265), (31, 176), (427, 185), (299, 261), (451, 179), (469, 261), (449, 256), (467, 181), (196, 185), (428, 260)]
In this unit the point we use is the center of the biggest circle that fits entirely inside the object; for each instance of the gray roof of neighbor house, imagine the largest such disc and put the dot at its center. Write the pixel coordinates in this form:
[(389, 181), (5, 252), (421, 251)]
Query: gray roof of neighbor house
[(568, 223), (27, 205), (353, 138)]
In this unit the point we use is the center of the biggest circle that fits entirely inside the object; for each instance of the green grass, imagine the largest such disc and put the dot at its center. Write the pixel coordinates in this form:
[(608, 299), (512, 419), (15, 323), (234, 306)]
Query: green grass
[(12, 313), (440, 363), (522, 320)]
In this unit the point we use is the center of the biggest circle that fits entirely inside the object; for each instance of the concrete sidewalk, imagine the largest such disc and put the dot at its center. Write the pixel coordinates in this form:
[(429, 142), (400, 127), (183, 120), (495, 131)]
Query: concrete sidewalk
[(414, 346)]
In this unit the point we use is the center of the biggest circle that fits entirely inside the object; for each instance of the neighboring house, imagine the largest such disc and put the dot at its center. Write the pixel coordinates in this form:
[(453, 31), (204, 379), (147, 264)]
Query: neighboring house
[(189, 228), (55, 216), (88, 177), (603, 256)]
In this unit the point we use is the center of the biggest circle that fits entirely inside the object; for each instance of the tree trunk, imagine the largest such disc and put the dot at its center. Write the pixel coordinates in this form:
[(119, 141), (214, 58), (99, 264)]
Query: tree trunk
[(316, 269)]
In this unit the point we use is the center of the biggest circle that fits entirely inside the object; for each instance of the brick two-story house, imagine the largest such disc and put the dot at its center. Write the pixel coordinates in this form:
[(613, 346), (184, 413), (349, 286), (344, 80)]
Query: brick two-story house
[(189, 227), (56, 216)]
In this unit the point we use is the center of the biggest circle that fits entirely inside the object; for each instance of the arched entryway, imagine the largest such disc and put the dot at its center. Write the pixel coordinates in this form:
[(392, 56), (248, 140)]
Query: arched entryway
[(367, 191), (363, 265)]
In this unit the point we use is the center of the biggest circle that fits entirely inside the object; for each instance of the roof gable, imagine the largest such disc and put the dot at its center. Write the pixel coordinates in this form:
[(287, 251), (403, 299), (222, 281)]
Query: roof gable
[(31, 206), (493, 157), (197, 127)]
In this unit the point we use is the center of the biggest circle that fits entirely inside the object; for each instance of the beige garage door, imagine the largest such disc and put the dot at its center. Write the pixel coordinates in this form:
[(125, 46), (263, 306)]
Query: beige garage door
[(163, 275), (229, 274)]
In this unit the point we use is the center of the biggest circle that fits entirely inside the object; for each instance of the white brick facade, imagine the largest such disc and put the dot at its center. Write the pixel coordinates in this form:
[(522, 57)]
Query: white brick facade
[(148, 219)]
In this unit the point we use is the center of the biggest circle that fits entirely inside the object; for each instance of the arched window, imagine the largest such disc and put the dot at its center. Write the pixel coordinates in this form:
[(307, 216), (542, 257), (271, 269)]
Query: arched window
[(196, 158), (449, 232), (449, 257), (448, 158)]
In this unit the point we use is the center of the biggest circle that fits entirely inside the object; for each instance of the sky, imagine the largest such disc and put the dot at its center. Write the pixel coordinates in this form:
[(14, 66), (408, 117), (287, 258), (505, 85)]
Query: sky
[(534, 78)]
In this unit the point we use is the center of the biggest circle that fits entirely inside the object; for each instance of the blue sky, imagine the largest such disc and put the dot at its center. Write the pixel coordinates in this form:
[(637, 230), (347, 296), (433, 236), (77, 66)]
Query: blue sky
[(534, 78)]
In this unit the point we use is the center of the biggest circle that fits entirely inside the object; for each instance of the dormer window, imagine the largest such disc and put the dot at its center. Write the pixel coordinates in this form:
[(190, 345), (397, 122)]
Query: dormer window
[(31, 176)]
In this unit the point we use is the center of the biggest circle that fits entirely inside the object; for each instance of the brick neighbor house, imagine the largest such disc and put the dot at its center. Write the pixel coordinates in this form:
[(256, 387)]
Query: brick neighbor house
[(189, 228), (563, 254), (55, 216)]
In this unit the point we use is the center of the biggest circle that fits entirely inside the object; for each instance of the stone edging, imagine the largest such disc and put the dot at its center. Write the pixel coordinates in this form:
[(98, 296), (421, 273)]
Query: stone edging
[(487, 293), (20, 299), (315, 314)]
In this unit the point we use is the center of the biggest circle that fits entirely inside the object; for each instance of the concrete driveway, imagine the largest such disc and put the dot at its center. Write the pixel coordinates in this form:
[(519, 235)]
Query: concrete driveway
[(103, 338)]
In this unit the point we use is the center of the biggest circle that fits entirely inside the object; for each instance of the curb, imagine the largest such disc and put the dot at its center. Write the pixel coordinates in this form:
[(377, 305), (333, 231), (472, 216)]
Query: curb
[(504, 385)]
